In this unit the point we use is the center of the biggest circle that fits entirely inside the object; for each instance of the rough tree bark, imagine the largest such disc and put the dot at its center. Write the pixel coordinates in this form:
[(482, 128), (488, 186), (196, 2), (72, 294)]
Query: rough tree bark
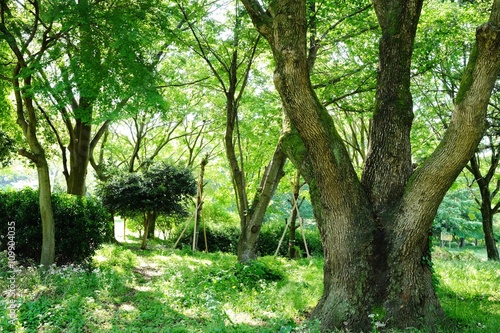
[(233, 80), (79, 149), (375, 231)]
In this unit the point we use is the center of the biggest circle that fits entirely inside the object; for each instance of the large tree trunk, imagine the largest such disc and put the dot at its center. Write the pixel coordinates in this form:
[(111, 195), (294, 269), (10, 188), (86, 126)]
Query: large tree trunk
[(403, 290), (375, 232), (79, 149), (340, 205), (88, 85)]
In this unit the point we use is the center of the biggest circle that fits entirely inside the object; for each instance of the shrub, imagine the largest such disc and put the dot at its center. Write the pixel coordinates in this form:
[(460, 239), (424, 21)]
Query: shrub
[(225, 239), (81, 225), (251, 274)]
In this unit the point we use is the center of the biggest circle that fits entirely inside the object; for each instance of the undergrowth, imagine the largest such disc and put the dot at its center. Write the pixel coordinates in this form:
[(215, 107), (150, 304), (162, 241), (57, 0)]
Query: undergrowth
[(161, 290)]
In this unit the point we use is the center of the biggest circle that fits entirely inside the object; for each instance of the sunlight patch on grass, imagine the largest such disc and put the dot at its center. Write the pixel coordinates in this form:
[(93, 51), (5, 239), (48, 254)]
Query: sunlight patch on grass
[(127, 307), (142, 288), (470, 294), (242, 318)]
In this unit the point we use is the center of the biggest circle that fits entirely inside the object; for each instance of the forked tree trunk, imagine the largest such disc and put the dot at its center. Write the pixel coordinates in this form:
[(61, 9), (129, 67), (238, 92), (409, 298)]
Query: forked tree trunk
[(375, 232), (251, 214)]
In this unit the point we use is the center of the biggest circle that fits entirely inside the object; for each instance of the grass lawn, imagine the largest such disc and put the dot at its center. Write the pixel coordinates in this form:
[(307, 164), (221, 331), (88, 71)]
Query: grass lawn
[(161, 290)]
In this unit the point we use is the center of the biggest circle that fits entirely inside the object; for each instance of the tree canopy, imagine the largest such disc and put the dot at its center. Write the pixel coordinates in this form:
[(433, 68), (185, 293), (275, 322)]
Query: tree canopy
[(378, 105)]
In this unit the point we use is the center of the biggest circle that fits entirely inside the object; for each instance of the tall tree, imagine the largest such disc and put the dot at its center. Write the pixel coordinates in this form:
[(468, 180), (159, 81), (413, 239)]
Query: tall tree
[(29, 38), (488, 184), (102, 66), (375, 229), (231, 64)]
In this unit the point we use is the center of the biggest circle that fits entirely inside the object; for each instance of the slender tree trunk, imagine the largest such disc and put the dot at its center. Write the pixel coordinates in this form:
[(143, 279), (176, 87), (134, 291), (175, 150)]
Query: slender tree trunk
[(251, 220), (489, 238), (233, 84), (487, 210), (292, 252), (199, 202), (27, 121), (47, 215), (487, 216)]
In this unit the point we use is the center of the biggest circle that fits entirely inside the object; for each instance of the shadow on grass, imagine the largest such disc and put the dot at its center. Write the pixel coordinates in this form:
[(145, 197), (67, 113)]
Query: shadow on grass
[(142, 309), (469, 314), (136, 303)]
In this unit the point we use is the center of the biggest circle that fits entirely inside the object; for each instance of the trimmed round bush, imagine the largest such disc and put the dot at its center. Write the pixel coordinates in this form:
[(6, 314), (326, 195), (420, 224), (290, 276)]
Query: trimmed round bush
[(81, 225)]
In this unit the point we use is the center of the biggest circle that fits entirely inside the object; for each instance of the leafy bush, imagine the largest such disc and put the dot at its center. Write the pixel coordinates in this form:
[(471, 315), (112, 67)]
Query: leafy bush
[(164, 189), (81, 225), (253, 273)]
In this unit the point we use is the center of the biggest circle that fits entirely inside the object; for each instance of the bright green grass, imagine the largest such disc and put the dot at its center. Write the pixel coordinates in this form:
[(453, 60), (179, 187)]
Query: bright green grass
[(161, 290), (164, 291), (469, 292)]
